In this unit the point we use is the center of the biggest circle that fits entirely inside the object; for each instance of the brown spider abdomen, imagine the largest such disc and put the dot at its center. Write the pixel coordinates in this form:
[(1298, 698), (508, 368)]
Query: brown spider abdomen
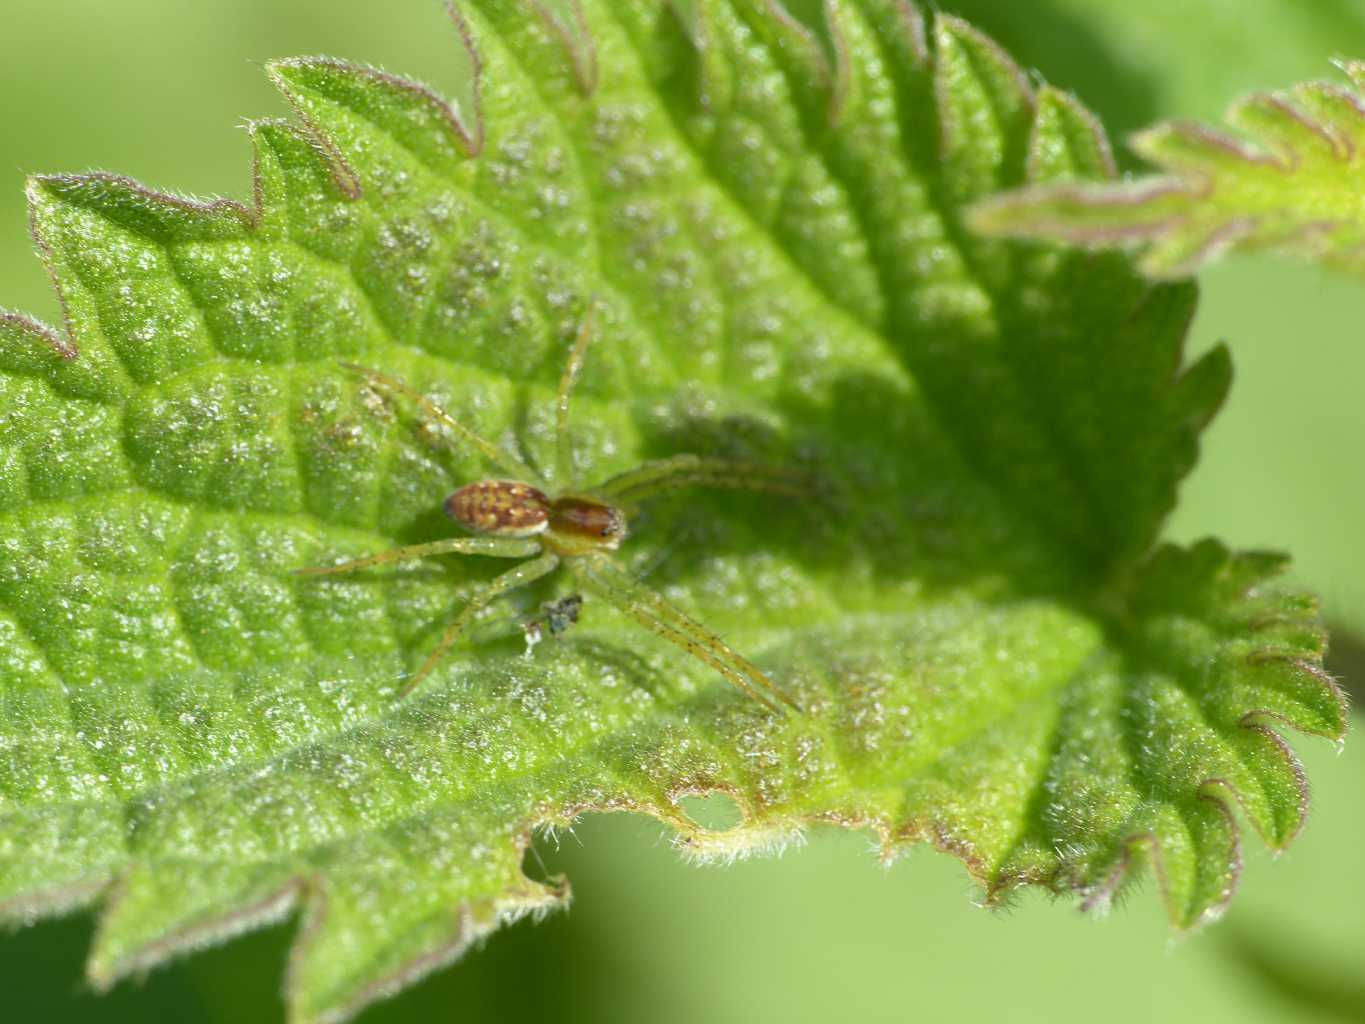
[(502, 507)]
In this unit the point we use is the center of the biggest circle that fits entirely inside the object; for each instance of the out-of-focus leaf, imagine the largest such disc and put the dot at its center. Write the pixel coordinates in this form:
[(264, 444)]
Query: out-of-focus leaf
[(1288, 181)]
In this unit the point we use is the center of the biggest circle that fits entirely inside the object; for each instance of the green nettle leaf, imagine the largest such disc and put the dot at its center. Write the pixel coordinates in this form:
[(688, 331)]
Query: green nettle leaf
[(768, 214), (1288, 181)]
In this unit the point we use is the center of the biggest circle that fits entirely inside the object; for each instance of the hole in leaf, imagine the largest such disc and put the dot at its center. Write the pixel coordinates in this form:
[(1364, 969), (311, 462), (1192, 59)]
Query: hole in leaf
[(715, 812), (541, 860)]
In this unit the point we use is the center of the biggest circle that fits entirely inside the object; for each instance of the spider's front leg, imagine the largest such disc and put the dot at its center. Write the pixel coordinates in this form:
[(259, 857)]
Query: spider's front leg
[(526, 572), (659, 475), (504, 460), (495, 547)]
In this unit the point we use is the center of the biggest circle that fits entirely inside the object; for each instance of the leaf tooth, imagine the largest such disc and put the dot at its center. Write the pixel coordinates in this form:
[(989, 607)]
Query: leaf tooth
[(1098, 897), (1215, 877), (30, 345), (425, 125), (97, 252), (1204, 385), (837, 79), (32, 905), (1197, 151), (1286, 130), (39, 212), (1175, 254), (162, 217), (1354, 70), (1339, 109), (899, 26), (567, 21), (1196, 885), (810, 69), (467, 106), (1163, 313), (290, 167), (268, 173), (155, 914), (1067, 140), (841, 68), (1309, 689), (1289, 816), (556, 38), (715, 84), (912, 32), (985, 106), (320, 986)]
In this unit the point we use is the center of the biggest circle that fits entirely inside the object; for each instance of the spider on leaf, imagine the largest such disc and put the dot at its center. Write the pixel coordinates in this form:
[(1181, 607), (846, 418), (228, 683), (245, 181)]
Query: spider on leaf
[(578, 528)]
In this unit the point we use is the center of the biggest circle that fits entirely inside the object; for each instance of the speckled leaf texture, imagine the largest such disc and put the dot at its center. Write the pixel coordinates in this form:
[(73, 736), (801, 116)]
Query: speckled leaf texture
[(992, 654), (1286, 177)]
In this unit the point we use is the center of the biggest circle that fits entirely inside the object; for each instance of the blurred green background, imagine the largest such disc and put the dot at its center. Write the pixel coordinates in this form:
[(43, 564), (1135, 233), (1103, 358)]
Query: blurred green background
[(153, 88)]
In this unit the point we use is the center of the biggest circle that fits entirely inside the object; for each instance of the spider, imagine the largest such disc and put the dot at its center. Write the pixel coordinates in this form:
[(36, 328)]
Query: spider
[(577, 528)]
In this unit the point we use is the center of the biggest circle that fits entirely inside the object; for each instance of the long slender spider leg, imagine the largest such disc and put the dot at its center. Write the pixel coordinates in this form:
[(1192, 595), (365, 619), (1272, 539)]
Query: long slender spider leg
[(504, 460), (567, 380), (625, 592), (519, 576), (674, 617), (497, 547), (687, 470), (687, 643)]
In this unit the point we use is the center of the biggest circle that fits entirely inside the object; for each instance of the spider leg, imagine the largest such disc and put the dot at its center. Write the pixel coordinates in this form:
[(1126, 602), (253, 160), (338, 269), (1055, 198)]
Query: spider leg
[(651, 478), (519, 576), (659, 615), (497, 547), (563, 450), (504, 460), (691, 646)]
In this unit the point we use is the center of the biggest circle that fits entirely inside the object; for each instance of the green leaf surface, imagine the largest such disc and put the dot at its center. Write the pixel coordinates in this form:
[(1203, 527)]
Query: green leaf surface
[(1286, 180), (769, 215)]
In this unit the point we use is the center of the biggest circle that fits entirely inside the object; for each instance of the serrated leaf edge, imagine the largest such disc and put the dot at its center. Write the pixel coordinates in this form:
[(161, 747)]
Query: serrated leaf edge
[(533, 899)]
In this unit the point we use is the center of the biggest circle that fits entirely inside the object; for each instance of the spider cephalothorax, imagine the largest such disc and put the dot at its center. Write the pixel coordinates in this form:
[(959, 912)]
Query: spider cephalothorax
[(514, 518)]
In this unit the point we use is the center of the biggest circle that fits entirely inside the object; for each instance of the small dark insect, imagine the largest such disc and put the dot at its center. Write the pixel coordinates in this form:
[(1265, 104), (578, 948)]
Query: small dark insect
[(579, 528), (554, 619), (555, 616)]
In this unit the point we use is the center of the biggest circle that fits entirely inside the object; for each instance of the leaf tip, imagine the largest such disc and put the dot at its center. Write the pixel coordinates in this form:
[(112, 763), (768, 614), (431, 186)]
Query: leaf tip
[(1067, 140), (115, 954), (29, 330), (469, 923), (956, 37)]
